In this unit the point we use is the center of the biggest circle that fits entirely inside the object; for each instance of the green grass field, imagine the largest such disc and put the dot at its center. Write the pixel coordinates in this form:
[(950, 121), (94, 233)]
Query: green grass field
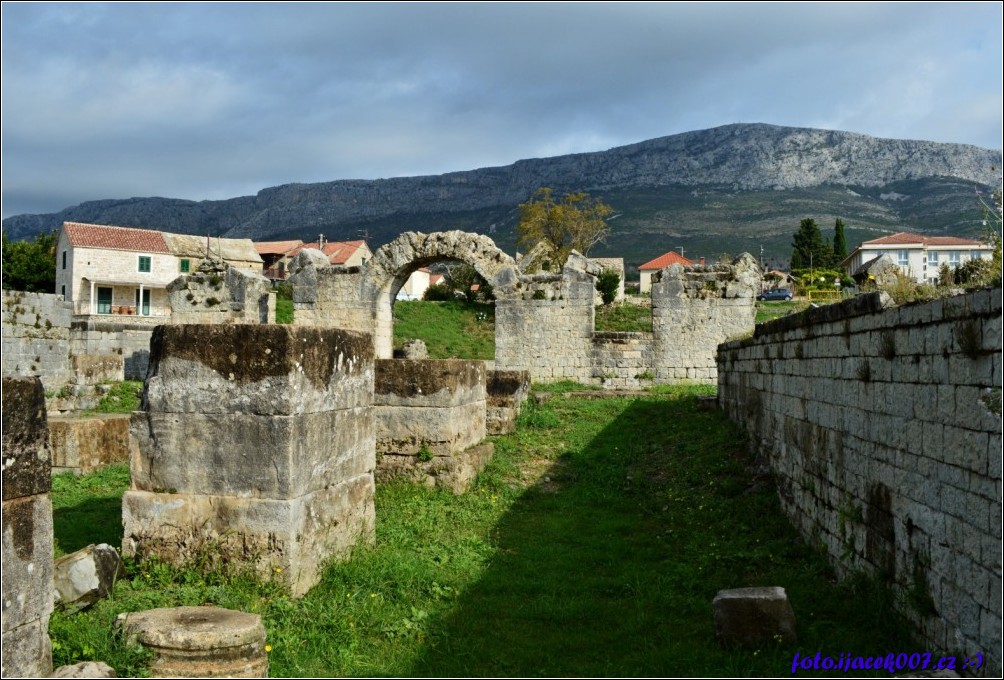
[(592, 545)]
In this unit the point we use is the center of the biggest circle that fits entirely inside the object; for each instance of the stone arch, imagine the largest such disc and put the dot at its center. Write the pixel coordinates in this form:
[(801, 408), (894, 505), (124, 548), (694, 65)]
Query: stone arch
[(394, 262)]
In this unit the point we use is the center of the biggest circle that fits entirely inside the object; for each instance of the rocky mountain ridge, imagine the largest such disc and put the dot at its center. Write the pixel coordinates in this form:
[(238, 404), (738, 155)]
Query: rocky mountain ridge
[(737, 165)]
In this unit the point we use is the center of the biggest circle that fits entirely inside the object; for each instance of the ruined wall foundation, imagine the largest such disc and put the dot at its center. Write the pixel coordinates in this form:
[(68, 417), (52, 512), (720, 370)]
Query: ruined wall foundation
[(883, 428)]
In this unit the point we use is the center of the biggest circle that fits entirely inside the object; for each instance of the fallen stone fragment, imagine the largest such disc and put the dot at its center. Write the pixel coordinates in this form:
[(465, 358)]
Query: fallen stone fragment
[(82, 578), (87, 669), (753, 617)]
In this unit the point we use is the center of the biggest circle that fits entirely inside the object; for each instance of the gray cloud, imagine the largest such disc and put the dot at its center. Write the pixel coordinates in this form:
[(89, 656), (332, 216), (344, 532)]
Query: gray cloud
[(207, 101)]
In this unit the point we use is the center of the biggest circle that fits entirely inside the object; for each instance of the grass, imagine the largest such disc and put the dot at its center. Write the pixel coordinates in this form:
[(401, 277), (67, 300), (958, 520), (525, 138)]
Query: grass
[(88, 509), (592, 545), (768, 311), (623, 318), (451, 330), (284, 303), (122, 397)]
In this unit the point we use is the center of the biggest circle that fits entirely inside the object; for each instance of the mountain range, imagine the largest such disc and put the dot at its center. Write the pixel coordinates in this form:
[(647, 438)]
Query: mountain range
[(742, 187)]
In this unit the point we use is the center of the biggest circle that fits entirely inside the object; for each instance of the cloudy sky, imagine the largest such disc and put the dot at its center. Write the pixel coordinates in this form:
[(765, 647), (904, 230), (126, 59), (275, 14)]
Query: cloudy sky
[(210, 101)]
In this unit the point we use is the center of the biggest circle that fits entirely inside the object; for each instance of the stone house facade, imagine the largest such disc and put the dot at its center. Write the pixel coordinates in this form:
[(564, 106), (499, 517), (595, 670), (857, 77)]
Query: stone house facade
[(119, 272)]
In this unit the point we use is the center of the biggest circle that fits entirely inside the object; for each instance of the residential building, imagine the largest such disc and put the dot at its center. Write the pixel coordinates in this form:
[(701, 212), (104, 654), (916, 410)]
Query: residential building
[(275, 257), (343, 253), (107, 270), (658, 264), (416, 285), (919, 257)]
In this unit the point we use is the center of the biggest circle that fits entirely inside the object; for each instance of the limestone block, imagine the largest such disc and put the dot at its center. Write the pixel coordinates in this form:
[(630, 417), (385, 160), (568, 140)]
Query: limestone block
[(261, 369), (27, 560), (26, 651), (86, 669), (85, 444), (430, 383), (752, 617), (199, 642), (91, 369), (288, 540), (257, 456), (443, 430), (82, 578), (26, 458), (453, 472)]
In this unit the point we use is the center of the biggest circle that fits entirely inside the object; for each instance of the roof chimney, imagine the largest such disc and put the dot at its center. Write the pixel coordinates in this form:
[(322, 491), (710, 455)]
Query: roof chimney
[(702, 261)]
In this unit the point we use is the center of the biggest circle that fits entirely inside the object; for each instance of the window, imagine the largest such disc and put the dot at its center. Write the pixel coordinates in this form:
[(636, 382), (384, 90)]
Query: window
[(64, 259), (975, 254), (143, 306), (932, 258), (954, 258), (104, 300), (903, 258), (186, 265), (144, 263)]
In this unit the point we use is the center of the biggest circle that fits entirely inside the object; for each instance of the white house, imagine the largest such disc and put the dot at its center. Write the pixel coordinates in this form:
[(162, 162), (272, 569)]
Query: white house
[(919, 257), (122, 271), (658, 264)]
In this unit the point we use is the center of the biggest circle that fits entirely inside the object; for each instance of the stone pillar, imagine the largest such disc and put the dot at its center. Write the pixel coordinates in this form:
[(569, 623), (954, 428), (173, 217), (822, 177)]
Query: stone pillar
[(256, 447), (27, 531)]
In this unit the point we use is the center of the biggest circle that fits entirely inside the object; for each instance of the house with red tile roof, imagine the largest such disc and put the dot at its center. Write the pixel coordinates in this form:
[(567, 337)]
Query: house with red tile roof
[(658, 264), (275, 257), (343, 253), (917, 256), (124, 271)]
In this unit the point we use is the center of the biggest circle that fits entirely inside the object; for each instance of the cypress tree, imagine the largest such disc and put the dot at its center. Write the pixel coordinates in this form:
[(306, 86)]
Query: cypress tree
[(839, 242)]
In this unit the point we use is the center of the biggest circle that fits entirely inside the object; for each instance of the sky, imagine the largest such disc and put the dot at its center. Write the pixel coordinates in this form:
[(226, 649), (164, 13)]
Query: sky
[(211, 101)]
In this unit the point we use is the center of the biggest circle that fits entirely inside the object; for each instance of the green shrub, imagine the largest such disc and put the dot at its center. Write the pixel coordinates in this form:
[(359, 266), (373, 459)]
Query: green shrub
[(608, 283)]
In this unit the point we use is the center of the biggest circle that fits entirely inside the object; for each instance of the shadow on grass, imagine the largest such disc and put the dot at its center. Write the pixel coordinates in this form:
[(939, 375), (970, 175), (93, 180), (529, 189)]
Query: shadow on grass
[(96, 520), (609, 565)]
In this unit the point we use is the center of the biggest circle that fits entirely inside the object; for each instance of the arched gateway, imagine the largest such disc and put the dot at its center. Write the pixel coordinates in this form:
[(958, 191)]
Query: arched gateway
[(360, 298)]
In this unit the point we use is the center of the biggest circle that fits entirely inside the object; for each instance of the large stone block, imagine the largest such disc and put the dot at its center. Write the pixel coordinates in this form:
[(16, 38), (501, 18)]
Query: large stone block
[(442, 430), (288, 540), (431, 383), (82, 578), (453, 472), (753, 617), (245, 455), (27, 652), (260, 369), (84, 444), (27, 560), (26, 458)]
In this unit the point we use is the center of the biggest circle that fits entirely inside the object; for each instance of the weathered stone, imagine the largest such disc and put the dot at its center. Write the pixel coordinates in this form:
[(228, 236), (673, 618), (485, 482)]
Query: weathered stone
[(753, 617), (85, 669), (199, 642), (27, 531), (81, 445), (26, 458), (91, 369), (454, 472), (289, 541), (414, 349), (506, 392), (82, 578)]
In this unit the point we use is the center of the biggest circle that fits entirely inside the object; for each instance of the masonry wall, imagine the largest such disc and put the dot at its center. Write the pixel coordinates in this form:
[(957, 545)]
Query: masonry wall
[(883, 428), (36, 336), (130, 340), (27, 531)]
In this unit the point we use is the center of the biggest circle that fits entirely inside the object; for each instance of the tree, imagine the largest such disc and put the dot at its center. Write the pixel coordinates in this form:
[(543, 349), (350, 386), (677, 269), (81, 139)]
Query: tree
[(839, 242), (463, 277), (30, 265), (809, 250), (608, 283), (576, 222)]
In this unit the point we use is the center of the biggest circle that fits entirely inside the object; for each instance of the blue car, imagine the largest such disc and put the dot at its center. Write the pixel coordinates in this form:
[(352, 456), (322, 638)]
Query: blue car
[(776, 294)]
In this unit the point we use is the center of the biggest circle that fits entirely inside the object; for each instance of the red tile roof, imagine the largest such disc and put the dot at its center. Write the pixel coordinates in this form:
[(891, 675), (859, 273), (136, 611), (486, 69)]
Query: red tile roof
[(115, 238), (338, 252), (663, 261), (276, 247), (907, 238)]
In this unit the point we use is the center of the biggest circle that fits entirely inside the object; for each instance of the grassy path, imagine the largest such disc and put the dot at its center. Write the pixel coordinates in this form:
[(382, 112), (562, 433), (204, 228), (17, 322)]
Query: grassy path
[(591, 546)]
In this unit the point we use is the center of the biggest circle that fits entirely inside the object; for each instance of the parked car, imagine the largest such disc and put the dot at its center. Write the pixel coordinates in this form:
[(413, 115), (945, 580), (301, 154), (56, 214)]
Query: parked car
[(776, 294)]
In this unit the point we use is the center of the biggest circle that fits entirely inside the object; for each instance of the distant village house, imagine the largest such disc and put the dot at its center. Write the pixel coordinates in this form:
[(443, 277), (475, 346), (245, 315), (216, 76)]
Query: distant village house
[(919, 257), (106, 270), (658, 264)]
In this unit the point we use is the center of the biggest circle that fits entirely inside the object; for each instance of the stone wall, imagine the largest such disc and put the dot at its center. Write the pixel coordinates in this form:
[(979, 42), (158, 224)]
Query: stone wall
[(505, 393), (27, 531), (219, 293), (128, 339), (427, 416), (622, 360), (256, 447), (883, 428), (36, 336)]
